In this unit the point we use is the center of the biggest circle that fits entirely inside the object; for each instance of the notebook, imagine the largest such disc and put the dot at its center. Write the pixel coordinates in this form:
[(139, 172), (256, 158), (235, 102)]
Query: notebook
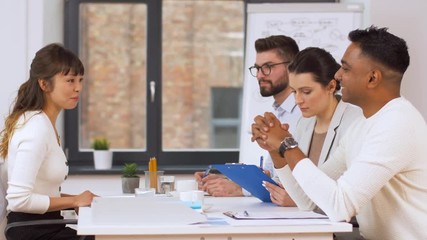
[(249, 177)]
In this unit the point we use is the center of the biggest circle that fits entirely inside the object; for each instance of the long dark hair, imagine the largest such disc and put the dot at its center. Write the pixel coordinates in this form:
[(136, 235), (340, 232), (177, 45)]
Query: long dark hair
[(49, 61)]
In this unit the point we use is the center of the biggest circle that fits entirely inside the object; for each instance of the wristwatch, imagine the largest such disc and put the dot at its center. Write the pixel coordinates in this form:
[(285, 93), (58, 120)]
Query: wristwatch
[(287, 143)]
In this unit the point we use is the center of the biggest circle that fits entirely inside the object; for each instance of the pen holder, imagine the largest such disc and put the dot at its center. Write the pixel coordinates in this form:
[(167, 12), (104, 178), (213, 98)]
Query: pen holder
[(152, 180)]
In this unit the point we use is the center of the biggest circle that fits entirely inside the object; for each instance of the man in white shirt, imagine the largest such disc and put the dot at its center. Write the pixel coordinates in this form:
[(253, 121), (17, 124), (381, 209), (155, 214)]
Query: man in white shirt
[(273, 55), (378, 173)]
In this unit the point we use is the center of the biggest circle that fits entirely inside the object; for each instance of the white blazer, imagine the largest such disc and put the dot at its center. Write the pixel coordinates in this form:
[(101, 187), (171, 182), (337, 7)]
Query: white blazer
[(344, 115)]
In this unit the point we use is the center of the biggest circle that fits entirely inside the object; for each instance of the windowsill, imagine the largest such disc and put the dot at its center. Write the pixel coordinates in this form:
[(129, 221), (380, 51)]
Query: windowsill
[(169, 169)]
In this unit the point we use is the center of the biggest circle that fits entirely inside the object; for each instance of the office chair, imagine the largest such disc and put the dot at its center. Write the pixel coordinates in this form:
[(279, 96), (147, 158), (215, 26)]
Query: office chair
[(353, 221), (9, 226)]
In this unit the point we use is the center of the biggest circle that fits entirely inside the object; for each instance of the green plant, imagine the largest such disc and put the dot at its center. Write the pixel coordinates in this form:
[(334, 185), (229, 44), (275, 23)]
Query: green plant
[(130, 170), (101, 143)]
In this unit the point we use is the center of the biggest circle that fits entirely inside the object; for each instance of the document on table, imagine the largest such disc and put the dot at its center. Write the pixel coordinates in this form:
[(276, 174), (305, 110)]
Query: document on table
[(143, 211), (245, 215)]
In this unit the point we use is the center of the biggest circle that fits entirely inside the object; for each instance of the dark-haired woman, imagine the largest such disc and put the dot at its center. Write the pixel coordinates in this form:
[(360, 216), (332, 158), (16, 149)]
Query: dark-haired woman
[(30, 145), (325, 116)]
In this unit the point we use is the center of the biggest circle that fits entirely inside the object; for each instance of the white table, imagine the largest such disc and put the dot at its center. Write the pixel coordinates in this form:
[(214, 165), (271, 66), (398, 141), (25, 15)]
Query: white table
[(319, 229)]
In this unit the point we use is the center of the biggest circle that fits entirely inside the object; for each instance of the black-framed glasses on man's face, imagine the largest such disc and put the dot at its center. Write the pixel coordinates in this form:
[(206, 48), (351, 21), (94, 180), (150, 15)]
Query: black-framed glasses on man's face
[(265, 69)]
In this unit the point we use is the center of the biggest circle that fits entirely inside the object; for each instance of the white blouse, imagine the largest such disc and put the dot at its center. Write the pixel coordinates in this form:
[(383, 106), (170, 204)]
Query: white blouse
[(37, 165)]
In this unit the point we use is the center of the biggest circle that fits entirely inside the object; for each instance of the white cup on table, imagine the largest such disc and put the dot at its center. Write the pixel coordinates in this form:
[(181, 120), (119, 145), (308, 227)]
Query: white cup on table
[(186, 185), (193, 198)]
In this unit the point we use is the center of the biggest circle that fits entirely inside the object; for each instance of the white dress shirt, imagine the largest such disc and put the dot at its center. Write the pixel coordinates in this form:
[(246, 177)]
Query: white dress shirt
[(288, 112)]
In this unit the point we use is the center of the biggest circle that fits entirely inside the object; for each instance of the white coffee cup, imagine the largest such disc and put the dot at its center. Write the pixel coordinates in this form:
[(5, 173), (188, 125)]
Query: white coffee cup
[(193, 198), (185, 185)]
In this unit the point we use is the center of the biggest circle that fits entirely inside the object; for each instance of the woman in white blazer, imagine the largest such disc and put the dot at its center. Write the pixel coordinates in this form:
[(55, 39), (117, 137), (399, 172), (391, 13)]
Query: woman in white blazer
[(325, 116), (342, 117)]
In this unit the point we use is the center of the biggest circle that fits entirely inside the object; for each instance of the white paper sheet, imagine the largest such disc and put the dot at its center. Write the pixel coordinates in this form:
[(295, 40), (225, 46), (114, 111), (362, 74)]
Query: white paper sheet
[(145, 211)]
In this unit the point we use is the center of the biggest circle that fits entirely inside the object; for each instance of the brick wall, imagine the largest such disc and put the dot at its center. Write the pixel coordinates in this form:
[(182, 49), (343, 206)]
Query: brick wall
[(199, 51)]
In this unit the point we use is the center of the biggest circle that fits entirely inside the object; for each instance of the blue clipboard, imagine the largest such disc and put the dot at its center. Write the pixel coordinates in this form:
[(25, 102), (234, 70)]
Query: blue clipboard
[(249, 177)]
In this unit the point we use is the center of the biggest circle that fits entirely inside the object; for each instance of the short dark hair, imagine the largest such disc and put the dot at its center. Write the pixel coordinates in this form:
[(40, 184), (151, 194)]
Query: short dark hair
[(382, 46), (318, 62), (286, 46)]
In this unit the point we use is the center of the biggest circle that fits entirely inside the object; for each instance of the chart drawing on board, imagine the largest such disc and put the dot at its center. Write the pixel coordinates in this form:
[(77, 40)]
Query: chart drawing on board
[(324, 30)]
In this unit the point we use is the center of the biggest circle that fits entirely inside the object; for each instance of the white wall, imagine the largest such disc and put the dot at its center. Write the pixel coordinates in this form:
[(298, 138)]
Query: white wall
[(408, 20), (28, 25), (13, 49)]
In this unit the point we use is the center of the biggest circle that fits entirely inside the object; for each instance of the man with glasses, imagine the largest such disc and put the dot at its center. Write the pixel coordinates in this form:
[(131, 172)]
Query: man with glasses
[(273, 54)]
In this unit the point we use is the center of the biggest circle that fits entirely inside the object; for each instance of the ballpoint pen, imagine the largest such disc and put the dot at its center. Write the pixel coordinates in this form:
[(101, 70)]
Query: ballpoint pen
[(261, 162), (210, 170), (207, 172)]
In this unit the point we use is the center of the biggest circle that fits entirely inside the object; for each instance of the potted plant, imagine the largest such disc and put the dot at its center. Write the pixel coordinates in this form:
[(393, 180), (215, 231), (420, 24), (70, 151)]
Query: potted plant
[(102, 156), (130, 180)]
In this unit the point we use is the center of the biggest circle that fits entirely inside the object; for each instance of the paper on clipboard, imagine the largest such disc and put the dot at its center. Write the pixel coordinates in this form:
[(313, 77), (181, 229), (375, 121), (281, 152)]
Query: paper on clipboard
[(249, 177), (274, 215)]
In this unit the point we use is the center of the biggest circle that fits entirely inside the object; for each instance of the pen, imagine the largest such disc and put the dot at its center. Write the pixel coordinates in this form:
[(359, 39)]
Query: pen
[(261, 162), (246, 213), (207, 172)]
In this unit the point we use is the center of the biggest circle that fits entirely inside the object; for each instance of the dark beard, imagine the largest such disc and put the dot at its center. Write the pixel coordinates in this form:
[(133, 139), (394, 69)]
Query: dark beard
[(273, 90)]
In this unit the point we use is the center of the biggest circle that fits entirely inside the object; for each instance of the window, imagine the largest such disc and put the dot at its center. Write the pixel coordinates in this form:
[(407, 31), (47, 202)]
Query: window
[(225, 126), (163, 79)]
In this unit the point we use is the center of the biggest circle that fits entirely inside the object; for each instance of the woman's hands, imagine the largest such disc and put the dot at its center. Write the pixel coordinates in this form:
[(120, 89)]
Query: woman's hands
[(84, 199), (67, 201), (268, 132), (278, 195)]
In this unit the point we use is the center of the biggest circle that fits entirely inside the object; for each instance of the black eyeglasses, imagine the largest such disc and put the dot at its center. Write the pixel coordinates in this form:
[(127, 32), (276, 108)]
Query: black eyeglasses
[(265, 69)]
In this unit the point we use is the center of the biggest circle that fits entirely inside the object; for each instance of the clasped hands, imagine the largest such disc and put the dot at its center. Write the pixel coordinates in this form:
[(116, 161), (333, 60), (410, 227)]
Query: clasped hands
[(268, 132)]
